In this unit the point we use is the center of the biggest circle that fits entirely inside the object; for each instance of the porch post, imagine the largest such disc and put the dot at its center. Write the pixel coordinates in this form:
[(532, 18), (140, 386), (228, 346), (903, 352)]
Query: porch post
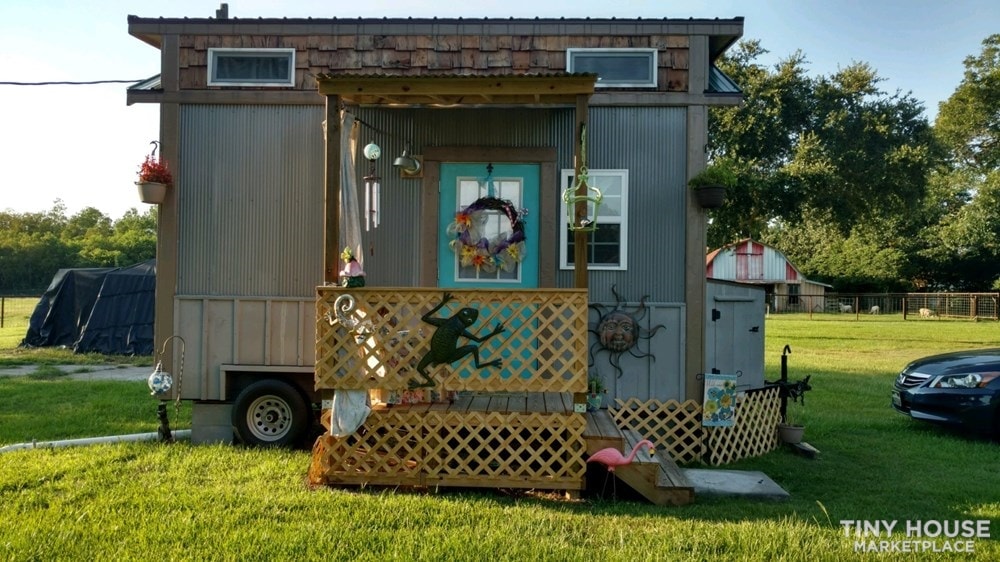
[(331, 197), (579, 236)]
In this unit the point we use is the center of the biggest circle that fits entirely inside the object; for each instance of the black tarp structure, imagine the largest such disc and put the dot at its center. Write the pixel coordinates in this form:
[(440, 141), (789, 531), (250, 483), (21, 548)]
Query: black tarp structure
[(101, 310)]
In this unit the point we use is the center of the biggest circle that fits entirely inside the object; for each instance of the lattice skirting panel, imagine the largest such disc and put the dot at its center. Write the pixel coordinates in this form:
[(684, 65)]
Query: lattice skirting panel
[(676, 428), (463, 449), (754, 433)]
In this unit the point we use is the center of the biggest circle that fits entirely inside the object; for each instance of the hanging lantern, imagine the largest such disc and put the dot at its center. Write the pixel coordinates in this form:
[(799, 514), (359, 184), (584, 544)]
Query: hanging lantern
[(591, 195), (581, 192), (372, 153)]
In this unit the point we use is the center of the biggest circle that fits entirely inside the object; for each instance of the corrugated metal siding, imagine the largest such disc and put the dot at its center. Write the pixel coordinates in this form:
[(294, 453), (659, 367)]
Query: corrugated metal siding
[(251, 210), (649, 142)]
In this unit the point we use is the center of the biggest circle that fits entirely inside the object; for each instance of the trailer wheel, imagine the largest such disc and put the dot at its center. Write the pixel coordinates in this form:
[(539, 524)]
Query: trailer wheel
[(270, 413)]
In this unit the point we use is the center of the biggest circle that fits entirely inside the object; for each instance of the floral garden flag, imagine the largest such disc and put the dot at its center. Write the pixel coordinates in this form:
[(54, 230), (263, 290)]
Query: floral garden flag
[(720, 400)]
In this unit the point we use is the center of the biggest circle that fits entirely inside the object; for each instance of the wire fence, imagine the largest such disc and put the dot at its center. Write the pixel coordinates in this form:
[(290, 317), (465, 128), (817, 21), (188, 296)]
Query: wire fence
[(963, 306), (15, 312)]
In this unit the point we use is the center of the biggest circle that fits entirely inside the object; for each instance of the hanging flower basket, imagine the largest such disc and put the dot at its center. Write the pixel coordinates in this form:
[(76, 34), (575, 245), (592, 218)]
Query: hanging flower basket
[(710, 196), (710, 185), (154, 179), (151, 191)]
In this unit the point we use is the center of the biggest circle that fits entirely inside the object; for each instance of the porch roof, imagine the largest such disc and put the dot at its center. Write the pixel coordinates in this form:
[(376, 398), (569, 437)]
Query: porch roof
[(445, 90)]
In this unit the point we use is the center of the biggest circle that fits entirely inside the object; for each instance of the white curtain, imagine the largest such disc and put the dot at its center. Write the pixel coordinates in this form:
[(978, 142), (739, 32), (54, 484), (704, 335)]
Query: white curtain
[(350, 407)]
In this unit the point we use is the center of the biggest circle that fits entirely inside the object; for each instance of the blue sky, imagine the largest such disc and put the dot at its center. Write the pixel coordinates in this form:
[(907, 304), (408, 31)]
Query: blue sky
[(83, 144)]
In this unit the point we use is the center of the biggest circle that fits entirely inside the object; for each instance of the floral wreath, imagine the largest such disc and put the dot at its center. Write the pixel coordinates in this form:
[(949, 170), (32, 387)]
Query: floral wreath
[(473, 249)]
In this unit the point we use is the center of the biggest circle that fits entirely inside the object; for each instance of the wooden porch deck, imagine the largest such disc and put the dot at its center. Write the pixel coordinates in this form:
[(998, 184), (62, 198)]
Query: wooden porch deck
[(501, 440)]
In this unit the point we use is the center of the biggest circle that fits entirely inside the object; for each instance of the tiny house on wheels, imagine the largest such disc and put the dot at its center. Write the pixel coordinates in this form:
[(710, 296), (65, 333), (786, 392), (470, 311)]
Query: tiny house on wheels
[(432, 233)]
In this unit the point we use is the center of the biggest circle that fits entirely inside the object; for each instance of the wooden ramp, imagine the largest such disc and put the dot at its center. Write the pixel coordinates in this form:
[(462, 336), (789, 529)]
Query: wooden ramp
[(655, 476)]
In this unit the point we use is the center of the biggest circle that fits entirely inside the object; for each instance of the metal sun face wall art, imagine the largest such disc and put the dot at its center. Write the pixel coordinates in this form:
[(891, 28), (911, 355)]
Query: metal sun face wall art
[(619, 331)]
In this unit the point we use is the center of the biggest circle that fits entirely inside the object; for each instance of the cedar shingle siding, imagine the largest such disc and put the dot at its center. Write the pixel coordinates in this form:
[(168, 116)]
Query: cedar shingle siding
[(415, 55)]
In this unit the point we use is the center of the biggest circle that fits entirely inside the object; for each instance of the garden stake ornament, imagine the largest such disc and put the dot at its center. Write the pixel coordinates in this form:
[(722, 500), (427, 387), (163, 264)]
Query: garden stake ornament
[(160, 383)]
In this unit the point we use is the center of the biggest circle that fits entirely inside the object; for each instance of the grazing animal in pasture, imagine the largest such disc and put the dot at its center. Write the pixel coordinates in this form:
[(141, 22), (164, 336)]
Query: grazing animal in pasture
[(875, 310), (845, 308), (926, 313)]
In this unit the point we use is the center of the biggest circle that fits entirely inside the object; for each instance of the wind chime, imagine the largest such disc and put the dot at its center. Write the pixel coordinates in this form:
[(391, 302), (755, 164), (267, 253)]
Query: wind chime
[(372, 153)]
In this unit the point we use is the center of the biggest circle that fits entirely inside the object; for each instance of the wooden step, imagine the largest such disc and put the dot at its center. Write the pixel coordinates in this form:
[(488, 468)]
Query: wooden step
[(601, 432), (656, 476)]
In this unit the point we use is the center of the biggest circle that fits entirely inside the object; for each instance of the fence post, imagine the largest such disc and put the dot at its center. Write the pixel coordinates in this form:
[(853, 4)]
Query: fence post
[(3, 302)]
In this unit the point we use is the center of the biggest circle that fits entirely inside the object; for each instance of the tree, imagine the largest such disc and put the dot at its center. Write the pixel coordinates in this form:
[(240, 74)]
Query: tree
[(968, 122), (834, 156), (961, 245), (33, 246)]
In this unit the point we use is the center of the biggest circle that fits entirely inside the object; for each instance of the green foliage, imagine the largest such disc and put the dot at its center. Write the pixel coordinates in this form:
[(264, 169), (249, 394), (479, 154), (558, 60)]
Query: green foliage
[(33, 246), (968, 123), (853, 184), (715, 174)]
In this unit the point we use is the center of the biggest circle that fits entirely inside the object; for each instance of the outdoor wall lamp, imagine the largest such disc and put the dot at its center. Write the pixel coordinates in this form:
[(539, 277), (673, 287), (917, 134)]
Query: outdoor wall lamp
[(409, 166), (372, 152)]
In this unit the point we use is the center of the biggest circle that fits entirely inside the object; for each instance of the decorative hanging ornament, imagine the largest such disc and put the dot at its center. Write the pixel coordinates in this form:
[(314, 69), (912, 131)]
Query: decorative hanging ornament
[(372, 152), (504, 251), (581, 192)]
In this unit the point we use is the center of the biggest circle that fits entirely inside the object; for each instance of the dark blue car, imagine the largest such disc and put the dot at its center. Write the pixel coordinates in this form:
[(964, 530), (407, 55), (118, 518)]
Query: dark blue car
[(960, 389)]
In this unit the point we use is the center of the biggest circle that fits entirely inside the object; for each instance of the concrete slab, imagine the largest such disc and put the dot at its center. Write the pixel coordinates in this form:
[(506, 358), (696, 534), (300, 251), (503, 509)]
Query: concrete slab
[(741, 483), (86, 372)]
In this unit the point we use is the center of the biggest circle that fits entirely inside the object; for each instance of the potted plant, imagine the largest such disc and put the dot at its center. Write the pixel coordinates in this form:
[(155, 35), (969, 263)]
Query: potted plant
[(595, 392), (788, 430), (154, 179), (710, 185)]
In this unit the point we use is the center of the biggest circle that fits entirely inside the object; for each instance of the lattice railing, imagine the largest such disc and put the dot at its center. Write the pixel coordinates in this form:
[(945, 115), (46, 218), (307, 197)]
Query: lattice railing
[(676, 428), (427, 447), (673, 426), (753, 433), (379, 341)]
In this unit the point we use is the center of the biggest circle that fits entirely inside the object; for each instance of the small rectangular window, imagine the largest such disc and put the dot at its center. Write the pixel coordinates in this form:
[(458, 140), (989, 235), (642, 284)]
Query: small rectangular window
[(607, 247), (251, 67), (615, 68)]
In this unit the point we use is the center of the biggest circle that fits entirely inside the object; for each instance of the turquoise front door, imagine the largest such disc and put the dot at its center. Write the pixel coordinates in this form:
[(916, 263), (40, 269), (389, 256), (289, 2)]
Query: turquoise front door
[(485, 262)]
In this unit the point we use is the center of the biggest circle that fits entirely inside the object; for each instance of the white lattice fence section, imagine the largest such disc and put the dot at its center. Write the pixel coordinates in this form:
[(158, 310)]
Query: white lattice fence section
[(753, 433), (376, 337), (675, 427)]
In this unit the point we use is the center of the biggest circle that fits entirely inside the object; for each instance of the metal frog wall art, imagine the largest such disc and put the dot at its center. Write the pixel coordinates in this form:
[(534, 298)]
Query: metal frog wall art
[(444, 342), (619, 331)]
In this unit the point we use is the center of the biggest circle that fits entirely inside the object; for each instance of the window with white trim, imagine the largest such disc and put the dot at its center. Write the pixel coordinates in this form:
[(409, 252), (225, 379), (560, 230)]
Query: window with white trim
[(607, 247), (251, 67), (615, 68)]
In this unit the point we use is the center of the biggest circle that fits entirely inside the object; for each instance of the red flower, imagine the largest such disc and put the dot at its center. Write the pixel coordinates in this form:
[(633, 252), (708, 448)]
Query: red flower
[(153, 170)]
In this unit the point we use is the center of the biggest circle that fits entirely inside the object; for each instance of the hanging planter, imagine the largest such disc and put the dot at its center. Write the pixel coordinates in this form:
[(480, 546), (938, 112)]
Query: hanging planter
[(154, 178), (710, 185), (710, 196), (151, 191)]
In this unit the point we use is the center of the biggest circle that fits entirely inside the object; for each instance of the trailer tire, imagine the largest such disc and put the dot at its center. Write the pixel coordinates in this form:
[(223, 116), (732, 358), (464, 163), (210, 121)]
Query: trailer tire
[(270, 413)]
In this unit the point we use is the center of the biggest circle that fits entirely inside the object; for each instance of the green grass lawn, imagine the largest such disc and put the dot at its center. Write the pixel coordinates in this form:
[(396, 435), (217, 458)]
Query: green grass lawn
[(148, 501)]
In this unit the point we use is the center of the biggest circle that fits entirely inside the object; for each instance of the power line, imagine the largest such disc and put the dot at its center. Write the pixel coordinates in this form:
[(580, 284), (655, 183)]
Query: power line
[(67, 83)]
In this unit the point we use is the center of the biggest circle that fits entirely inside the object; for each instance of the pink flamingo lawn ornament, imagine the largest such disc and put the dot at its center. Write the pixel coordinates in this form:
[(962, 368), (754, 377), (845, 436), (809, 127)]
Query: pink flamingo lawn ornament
[(612, 458)]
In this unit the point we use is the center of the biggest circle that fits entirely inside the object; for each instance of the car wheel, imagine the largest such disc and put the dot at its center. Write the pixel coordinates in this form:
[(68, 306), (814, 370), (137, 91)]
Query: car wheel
[(270, 413)]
